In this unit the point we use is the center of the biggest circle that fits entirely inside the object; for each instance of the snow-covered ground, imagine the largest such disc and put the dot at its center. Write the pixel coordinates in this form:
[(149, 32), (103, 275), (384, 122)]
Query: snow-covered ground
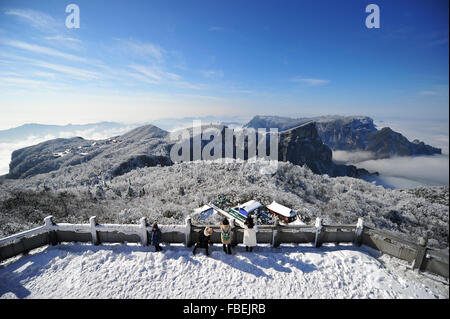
[(133, 271)]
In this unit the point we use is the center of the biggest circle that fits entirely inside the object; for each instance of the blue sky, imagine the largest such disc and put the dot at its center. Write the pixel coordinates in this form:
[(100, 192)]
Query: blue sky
[(137, 61)]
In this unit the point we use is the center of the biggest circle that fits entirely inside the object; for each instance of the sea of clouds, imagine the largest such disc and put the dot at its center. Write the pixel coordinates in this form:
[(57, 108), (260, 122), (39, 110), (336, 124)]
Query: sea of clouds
[(407, 172), (401, 172)]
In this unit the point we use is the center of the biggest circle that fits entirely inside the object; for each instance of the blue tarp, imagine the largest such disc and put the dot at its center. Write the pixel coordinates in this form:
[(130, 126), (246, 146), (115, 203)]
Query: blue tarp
[(205, 214), (243, 212)]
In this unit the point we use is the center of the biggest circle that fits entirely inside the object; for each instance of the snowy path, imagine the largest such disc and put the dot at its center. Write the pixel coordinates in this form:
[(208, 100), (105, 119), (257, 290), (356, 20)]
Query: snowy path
[(132, 271)]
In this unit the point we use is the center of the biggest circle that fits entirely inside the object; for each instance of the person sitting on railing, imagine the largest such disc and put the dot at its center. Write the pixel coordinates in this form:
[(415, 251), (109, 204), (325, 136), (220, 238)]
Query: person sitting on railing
[(225, 236), (156, 237), (250, 230), (204, 240)]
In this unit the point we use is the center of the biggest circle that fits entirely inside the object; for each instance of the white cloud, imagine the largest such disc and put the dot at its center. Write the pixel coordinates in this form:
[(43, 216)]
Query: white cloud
[(66, 41), (212, 73), (45, 74), (428, 93), (435, 90), (55, 28), (26, 84), (310, 81), (153, 69), (238, 91), (71, 71), (148, 72), (139, 77), (207, 97), (62, 38), (43, 50), (143, 49), (352, 157), (9, 73), (21, 81), (188, 85), (173, 76), (424, 170), (157, 75), (36, 19)]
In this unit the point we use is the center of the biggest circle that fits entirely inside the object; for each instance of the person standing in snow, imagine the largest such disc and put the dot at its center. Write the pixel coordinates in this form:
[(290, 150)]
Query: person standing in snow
[(156, 237), (204, 240), (250, 230), (225, 236)]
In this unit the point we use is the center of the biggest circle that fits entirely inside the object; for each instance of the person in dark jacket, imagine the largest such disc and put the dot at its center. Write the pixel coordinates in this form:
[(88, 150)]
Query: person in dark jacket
[(204, 240), (156, 237)]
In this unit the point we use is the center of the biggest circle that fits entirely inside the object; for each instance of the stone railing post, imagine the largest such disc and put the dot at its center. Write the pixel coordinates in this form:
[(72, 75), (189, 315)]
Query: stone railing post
[(359, 232), (420, 255), (94, 234), (52, 236), (234, 233), (318, 239), (188, 233), (276, 235), (144, 233)]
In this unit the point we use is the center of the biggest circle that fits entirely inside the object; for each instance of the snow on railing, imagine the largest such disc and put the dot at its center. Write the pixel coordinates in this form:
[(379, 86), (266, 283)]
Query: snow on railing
[(24, 234)]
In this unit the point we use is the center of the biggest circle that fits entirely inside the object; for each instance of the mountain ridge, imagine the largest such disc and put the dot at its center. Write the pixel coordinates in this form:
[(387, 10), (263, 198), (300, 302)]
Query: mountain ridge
[(352, 133), (149, 145)]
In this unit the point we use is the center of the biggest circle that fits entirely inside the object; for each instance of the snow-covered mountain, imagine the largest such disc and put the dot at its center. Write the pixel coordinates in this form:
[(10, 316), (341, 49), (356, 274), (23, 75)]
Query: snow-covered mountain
[(150, 146), (352, 133), (168, 194), (143, 146)]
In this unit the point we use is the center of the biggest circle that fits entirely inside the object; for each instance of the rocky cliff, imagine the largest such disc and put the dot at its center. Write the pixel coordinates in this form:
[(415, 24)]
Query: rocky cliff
[(352, 133), (303, 145), (388, 143)]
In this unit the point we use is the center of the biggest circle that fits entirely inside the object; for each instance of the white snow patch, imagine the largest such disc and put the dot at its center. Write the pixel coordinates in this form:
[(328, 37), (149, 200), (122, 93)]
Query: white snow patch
[(133, 271)]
